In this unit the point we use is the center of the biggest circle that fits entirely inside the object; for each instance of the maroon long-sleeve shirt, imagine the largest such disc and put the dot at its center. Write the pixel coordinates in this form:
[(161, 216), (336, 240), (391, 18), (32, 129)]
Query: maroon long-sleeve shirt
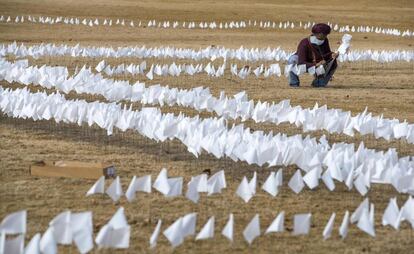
[(305, 55)]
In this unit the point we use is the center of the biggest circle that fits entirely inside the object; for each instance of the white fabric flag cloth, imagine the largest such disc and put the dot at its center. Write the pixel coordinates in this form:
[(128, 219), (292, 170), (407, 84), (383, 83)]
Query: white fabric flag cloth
[(70, 227), (116, 233), (130, 192), (328, 181), (161, 182), (365, 223), (392, 215), (253, 183), (2, 242), (98, 187), (61, 228), (199, 184), (346, 42), (155, 234), (181, 228), (12, 246), (33, 247), (244, 190), (301, 224), (207, 231), (343, 229), (48, 243), (361, 185), (138, 184), (100, 66), (320, 70), (189, 224), (170, 187), (192, 191), (228, 228), (115, 190), (174, 233), (296, 182), (356, 215), (252, 230), (407, 211), (327, 232), (14, 223), (176, 186), (312, 178), (272, 183), (216, 183), (278, 224)]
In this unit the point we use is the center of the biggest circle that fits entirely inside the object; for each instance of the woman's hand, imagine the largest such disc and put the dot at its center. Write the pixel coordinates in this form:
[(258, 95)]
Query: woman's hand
[(335, 55), (320, 63)]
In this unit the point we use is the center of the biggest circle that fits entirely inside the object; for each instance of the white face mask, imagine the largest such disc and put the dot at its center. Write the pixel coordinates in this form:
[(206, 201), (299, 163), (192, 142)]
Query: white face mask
[(316, 41)]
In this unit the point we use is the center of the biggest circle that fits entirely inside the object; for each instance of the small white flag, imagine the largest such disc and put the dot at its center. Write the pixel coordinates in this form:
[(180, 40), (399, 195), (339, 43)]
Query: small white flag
[(207, 231), (278, 224), (327, 232), (301, 224), (252, 230), (228, 228), (154, 236), (98, 187)]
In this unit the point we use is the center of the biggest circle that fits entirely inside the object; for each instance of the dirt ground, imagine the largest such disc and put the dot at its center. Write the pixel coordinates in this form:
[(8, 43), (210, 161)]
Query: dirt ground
[(386, 89)]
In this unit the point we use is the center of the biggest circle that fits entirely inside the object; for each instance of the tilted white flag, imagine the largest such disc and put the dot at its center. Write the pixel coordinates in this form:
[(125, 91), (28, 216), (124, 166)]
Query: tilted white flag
[(365, 223), (48, 243), (252, 230), (296, 182), (98, 187), (207, 231), (278, 224), (174, 233), (14, 223), (392, 214), (33, 247), (155, 234), (327, 232), (244, 191), (357, 213), (161, 182), (228, 228), (115, 190), (270, 185), (343, 229)]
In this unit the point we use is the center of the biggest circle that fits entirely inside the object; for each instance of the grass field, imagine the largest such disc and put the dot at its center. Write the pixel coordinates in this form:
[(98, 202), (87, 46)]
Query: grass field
[(386, 89)]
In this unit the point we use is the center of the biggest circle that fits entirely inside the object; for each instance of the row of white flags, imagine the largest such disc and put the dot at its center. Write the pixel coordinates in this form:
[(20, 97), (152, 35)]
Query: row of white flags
[(200, 99), (174, 70), (69, 227), (209, 53), (246, 190), (243, 24), (214, 137)]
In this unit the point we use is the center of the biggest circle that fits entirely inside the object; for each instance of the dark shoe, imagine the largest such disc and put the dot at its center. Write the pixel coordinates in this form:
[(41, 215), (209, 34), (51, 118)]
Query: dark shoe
[(294, 85), (318, 84)]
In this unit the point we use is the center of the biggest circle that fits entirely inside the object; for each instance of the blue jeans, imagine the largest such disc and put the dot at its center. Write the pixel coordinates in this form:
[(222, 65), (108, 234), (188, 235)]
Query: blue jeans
[(319, 81)]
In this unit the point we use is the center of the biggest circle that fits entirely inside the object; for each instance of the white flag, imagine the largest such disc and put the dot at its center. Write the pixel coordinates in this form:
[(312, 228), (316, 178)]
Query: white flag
[(98, 187), (228, 228), (207, 231), (154, 236), (252, 230), (327, 232), (14, 223), (278, 224)]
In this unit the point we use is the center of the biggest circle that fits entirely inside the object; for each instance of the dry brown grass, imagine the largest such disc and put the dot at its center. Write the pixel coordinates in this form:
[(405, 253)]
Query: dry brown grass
[(385, 88)]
